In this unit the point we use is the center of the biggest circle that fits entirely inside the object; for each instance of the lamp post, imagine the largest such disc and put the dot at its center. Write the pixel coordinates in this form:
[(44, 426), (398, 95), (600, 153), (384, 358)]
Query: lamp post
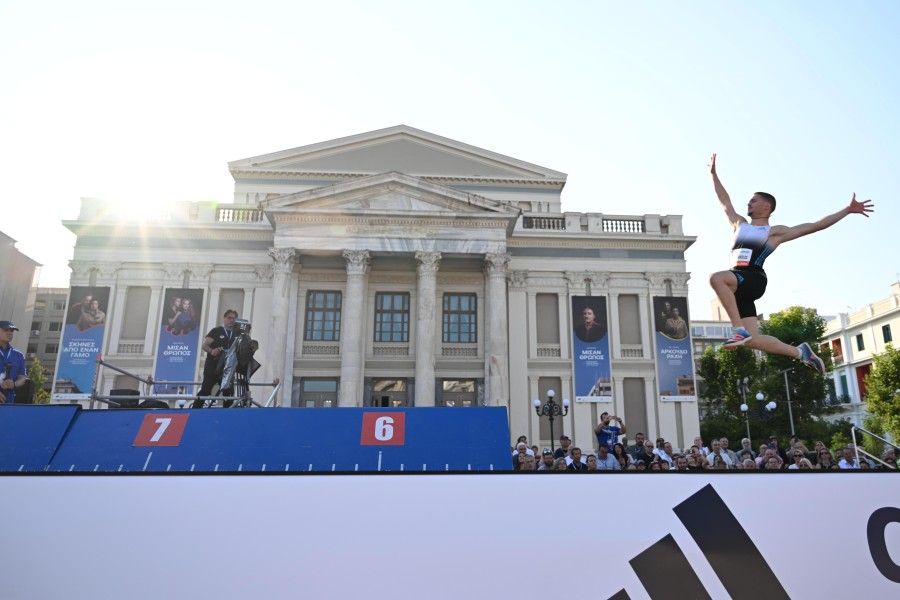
[(551, 410), (745, 409), (769, 407), (787, 392)]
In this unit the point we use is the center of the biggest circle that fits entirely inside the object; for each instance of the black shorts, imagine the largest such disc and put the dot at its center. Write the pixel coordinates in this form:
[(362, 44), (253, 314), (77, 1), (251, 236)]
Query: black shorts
[(751, 286)]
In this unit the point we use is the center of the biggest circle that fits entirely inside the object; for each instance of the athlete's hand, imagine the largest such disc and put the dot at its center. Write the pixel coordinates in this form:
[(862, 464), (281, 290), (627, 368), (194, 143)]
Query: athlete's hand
[(712, 164), (861, 208)]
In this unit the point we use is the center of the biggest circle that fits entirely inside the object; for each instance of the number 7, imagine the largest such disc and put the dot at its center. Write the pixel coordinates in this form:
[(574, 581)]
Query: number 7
[(163, 423)]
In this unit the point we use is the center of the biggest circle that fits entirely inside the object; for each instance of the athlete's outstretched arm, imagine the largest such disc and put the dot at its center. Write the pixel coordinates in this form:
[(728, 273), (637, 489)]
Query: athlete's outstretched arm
[(786, 234), (724, 199)]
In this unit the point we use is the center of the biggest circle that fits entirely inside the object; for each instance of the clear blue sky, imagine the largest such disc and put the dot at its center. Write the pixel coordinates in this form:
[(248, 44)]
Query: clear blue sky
[(800, 99)]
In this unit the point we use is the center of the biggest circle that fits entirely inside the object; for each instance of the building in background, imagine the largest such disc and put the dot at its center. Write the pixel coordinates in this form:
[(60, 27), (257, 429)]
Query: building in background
[(19, 276), (707, 334), (46, 329), (400, 268), (854, 338)]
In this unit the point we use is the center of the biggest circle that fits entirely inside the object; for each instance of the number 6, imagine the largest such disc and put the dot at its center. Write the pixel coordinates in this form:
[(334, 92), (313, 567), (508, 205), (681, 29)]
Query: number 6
[(384, 429)]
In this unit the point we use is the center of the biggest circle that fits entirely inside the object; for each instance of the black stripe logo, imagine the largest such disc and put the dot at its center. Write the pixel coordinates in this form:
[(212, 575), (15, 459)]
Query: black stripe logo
[(665, 572)]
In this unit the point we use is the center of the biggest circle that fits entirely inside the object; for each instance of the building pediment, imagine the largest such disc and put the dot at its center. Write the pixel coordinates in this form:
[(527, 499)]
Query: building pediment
[(389, 194), (403, 149)]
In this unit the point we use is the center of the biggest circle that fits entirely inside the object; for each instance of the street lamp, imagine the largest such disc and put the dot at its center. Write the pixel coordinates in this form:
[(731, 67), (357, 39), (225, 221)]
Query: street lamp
[(745, 409), (770, 406), (551, 410)]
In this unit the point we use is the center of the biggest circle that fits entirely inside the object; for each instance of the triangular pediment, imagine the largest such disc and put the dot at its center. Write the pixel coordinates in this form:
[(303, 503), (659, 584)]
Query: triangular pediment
[(388, 193), (402, 149)]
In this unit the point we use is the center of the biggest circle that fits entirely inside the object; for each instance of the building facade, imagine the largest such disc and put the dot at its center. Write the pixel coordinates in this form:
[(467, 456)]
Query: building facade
[(20, 275), (854, 339), (46, 329), (401, 268)]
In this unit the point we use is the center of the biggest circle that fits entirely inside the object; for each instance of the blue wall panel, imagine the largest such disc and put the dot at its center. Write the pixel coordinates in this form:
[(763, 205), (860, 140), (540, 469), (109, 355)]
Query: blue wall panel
[(30, 434), (288, 439)]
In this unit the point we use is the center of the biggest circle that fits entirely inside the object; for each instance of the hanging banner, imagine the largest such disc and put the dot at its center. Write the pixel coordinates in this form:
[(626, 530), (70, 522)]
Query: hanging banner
[(82, 341), (590, 349), (674, 356), (179, 338)]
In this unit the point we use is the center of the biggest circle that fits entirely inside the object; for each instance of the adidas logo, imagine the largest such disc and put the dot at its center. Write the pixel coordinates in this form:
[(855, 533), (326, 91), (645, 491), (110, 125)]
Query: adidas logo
[(665, 572)]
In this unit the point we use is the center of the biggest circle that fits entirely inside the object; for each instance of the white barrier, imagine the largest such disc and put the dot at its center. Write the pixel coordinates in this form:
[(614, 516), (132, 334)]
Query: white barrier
[(822, 535)]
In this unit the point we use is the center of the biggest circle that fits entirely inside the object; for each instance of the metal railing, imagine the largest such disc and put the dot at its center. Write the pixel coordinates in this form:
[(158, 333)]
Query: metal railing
[(859, 451), (149, 382)]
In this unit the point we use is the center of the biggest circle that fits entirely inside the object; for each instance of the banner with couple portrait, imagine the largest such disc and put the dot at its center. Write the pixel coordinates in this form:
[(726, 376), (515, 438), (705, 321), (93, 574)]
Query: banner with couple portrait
[(82, 341), (179, 338)]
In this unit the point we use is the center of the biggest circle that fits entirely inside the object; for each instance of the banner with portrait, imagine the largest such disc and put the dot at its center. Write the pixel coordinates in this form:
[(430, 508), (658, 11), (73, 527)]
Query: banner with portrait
[(674, 355), (82, 341), (179, 340), (590, 349)]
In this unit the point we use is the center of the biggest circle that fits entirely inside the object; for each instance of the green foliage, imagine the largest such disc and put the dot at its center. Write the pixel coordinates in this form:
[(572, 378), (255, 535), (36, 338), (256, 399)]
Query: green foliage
[(839, 441), (721, 369), (882, 385), (36, 374)]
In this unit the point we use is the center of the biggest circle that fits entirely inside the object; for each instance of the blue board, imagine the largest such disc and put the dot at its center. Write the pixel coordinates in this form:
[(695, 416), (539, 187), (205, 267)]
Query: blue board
[(287, 439), (30, 434)]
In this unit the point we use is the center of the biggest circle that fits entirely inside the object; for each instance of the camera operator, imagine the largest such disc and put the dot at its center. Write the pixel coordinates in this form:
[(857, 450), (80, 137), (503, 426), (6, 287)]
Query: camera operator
[(217, 341)]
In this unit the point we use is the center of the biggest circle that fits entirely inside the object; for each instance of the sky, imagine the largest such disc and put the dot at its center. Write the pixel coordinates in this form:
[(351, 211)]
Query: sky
[(145, 103)]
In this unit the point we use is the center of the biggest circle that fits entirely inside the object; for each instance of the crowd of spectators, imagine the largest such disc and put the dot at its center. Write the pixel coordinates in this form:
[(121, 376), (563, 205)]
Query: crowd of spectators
[(643, 454)]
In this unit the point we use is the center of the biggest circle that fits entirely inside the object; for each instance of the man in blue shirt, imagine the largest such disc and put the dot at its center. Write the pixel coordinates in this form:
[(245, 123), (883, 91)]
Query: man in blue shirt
[(608, 434), (12, 364)]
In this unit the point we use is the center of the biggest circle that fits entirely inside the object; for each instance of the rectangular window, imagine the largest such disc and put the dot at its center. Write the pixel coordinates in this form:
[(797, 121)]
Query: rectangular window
[(389, 393), (231, 299), (315, 392), (391, 317), (56, 326), (547, 309), (36, 325), (460, 319), (323, 316), (51, 348), (458, 392), (629, 319), (32, 348), (860, 344), (137, 312), (59, 305), (886, 333)]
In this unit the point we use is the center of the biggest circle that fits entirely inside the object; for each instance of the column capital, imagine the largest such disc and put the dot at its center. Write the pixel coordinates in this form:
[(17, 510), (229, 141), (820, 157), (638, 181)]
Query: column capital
[(495, 263), (358, 261), (518, 279), (428, 262), (284, 258)]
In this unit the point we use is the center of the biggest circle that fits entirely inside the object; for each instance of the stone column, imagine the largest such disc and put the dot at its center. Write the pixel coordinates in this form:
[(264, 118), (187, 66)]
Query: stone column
[(426, 285), (496, 353), (284, 258), (352, 314)]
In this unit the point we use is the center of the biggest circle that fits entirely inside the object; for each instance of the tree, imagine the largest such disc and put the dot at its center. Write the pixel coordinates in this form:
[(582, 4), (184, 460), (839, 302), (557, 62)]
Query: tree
[(883, 391), (36, 374)]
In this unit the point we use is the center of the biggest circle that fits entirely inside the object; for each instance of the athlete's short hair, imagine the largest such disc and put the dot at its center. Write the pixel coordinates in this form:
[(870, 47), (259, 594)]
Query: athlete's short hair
[(768, 198)]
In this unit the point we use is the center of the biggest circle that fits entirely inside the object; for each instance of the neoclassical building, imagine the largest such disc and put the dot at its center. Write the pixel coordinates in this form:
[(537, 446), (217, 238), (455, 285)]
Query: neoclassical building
[(401, 268)]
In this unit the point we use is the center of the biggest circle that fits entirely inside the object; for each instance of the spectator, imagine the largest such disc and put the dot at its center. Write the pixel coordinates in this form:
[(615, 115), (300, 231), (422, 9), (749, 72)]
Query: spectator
[(529, 464), (519, 462), (762, 450), (591, 462), (660, 451), (746, 446), (657, 465), (763, 458), (535, 452), (745, 454), (561, 464), (805, 464), (522, 448), (826, 460), (638, 447), (717, 453), (623, 457), (698, 441), (773, 463), (681, 463), (607, 433), (522, 440), (773, 443), (749, 465), (694, 460), (563, 450), (797, 456), (546, 460), (725, 445), (606, 461), (639, 465), (849, 460), (647, 454), (890, 457), (576, 462)]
